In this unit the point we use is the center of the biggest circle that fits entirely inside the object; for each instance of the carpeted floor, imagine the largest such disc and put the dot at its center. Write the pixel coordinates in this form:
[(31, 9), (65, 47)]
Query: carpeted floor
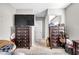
[(39, 50)]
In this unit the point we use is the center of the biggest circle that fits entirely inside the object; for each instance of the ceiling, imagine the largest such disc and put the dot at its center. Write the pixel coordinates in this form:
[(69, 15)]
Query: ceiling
[(39, 9), (39, 5)]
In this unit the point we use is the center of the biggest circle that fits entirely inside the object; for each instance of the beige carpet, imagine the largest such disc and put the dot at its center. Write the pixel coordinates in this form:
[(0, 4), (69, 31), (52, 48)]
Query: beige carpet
[(39, 50)]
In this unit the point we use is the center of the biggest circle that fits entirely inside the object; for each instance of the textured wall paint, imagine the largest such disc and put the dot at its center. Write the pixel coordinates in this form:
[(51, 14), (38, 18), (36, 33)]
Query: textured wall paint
[(6, 20), (72, 21)]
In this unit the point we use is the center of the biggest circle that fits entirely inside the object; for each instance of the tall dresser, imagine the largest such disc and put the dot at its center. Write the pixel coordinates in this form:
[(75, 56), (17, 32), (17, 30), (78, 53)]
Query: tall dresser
[(23, 37), (54, 32), (53, 36), (75, 47), (23, 30)]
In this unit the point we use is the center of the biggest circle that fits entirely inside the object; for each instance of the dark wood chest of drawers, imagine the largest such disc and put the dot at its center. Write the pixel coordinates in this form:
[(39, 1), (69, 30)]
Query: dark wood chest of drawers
[(53, 36), (23, 37), (76, 47)]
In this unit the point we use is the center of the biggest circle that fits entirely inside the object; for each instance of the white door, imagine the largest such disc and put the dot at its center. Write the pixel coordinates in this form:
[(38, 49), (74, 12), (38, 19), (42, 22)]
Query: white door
[(38, 30)]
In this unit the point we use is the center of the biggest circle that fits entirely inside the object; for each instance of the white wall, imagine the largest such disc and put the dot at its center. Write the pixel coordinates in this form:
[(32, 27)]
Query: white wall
[(57, 12), (24, 11), (56, 20), (6, 20), (72, 21), (46, 25)]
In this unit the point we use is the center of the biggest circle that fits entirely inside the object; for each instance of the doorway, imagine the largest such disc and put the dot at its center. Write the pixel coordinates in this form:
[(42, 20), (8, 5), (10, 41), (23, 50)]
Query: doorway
[(39, 30)]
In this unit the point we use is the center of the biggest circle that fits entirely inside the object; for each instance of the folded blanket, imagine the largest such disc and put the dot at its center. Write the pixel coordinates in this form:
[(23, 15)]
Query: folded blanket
[(5, 42), (6, 46)]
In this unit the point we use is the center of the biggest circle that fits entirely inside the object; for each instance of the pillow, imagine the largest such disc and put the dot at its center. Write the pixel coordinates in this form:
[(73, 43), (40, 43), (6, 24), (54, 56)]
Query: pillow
[(69, 42), (6, 48), (12, 36)]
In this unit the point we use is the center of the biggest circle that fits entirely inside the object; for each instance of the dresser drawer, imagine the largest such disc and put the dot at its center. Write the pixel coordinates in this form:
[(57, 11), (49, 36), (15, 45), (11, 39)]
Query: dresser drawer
[(77, 51), (55, 45), (25, 45), (77, 46), (22, 28), (22, 32), (18, 45), (54, 41), (18, 41), (54, 28), (22, 37), (54, 37), (55, 33), (25, 41)]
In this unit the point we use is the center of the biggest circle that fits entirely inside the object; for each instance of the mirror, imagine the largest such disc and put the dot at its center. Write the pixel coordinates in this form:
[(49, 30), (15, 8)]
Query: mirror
[(54, 20)]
